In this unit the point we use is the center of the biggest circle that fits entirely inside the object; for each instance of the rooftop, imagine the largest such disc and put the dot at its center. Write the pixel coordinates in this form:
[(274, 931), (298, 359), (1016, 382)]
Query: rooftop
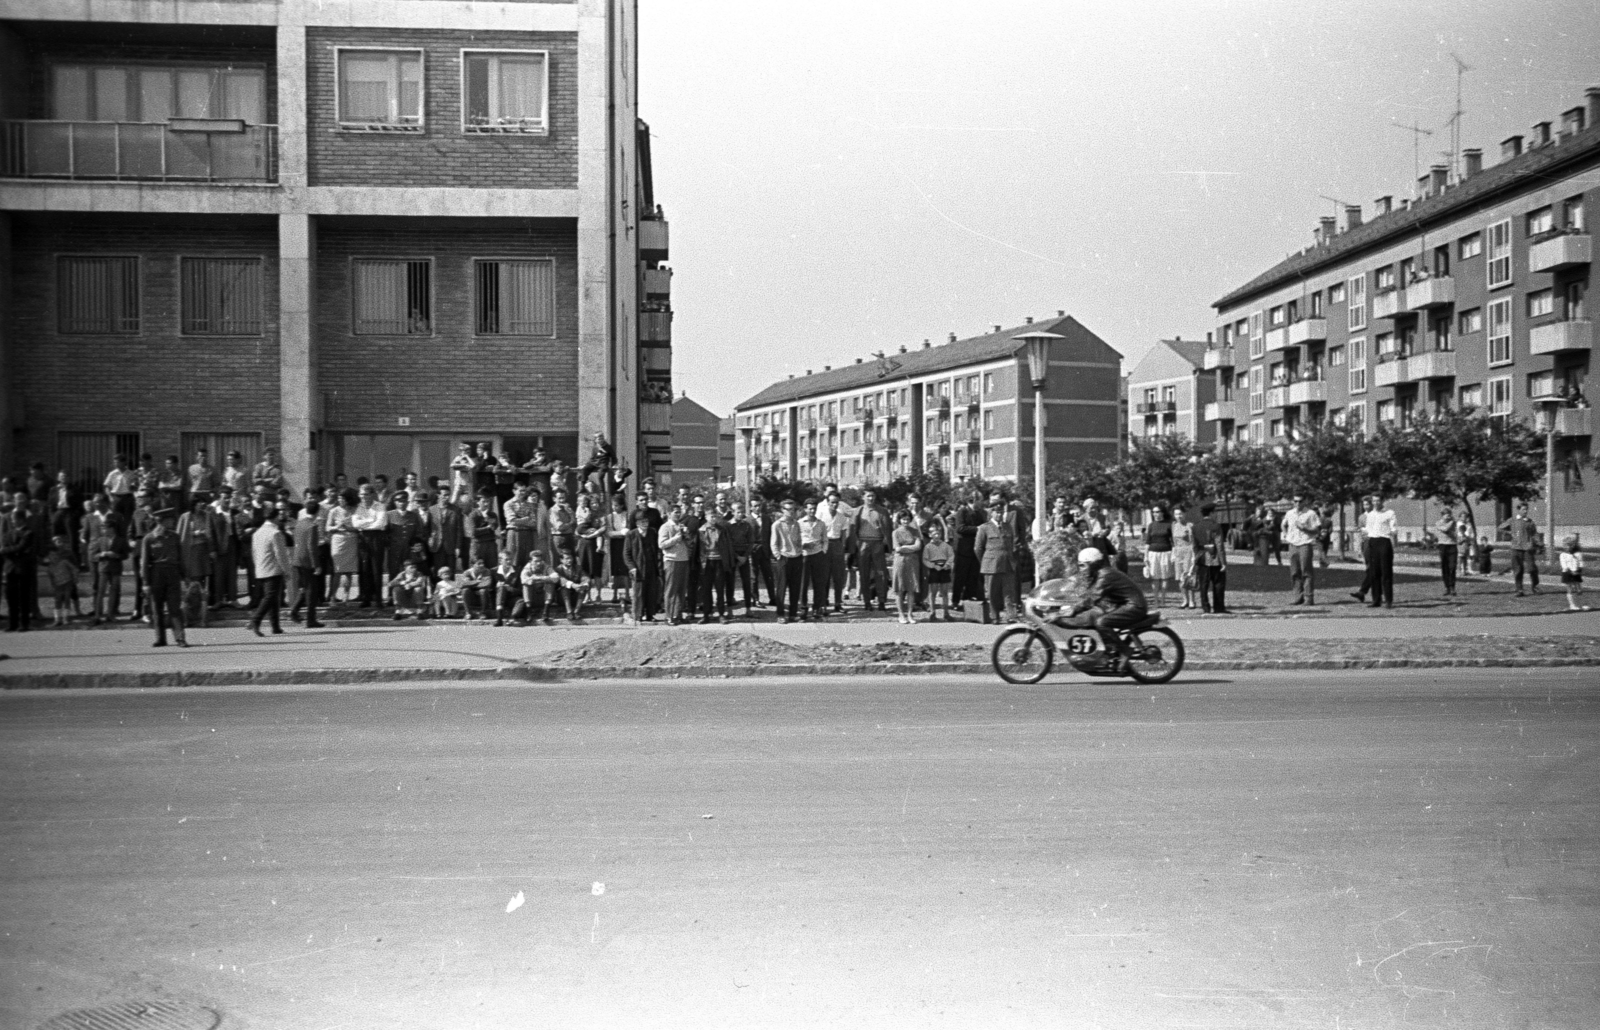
[(908, 364), (1527, 170)]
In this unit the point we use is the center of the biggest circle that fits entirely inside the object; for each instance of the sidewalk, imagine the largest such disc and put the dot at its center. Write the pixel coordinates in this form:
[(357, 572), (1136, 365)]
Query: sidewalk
[(440, 651)]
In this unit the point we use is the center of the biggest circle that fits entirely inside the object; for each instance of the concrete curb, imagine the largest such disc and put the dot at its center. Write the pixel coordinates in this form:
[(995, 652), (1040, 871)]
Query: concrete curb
[(530, 673)]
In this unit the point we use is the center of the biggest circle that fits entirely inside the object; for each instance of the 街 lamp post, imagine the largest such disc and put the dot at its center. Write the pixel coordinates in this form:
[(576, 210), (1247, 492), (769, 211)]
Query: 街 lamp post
[(749, 434), (1038, 370)]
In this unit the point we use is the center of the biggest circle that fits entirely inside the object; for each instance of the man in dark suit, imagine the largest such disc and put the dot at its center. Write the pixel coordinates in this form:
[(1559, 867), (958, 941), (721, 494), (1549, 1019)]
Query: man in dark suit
[(968, 581), (995, 546), (1211, 562)]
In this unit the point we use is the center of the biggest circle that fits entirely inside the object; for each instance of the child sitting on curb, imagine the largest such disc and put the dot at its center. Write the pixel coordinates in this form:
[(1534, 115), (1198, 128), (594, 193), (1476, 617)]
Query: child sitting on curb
[(409, 590), (507, 590), (446, 595), (477, 589)]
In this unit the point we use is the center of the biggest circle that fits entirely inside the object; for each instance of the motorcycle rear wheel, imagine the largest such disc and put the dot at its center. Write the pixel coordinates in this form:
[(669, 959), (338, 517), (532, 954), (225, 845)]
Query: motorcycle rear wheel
[(1155, 661), (1022, 655)]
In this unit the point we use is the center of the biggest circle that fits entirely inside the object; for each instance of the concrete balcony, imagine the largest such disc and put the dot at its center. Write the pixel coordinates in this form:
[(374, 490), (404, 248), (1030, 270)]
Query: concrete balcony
[(1561, 337), (1309, 391), (1574, 421), (1433, 364), (1308, 330), (1217, 357), (1438, 292), (1277, 339), (1222, 411), (191, 150), (1278, 397), (653, 239), (655, 327), (658, 283), (1388, 373), (1156, 407), (1388, 304), (1566, 251), (655, 417)]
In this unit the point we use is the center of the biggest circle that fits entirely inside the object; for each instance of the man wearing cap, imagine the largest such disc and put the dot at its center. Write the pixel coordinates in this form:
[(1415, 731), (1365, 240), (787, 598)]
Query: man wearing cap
[(161, 559), (995, 546)]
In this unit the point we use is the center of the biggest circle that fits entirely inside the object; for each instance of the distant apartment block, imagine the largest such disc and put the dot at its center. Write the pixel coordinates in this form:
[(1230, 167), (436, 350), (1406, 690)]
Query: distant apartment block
[(1168, 391)]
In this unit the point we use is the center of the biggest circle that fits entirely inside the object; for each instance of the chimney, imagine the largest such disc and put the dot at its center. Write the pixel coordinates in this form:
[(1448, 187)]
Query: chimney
[(791, 375), (827, 368), (1208, 337), (902, 348), (1572, 121), (1028, 320), (1061, 312), (1405, 205), (926, 343), (952, 337), (858, 361), (1593, 94), (1440, 178), (1352, 217), (996, 329), (1510, 147), (1472, 157), (1541, 135), (1382, 206), (1423, 183), (808, 371), (1327, 229)]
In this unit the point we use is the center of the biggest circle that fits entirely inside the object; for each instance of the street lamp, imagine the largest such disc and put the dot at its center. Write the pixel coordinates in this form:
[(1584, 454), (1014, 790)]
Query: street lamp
[(1038, 370), (748, 431)]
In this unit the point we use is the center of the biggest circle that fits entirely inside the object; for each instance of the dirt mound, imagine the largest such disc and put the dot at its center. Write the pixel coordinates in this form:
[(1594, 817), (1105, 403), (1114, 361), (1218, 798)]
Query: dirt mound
[(676, 648)]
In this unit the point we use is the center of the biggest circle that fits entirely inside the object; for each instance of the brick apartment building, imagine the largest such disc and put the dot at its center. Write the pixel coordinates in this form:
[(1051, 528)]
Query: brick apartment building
[(964, 406), (696, 443), (1472, 295), (361, 233), (1168, 392)]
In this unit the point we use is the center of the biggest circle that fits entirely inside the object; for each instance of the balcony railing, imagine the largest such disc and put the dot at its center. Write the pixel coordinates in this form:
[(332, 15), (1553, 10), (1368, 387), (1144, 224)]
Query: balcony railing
[(1437, 292), (655, 326), (944, 405), (1388, 304), (1308, 391), (653, 239), (942, 439), (1559, 337), (1156, 407), (1568, 250), (1222, 411), (658, 282), (1218, 357), (1389, 371), (1433, 364), (1277, 339), (1574, 421), (868, 415), (1308, 330), (221, 150), (974, 437)]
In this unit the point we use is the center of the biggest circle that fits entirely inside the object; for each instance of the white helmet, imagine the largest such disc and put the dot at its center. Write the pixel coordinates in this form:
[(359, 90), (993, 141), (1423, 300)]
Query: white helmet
[(1090, 555)]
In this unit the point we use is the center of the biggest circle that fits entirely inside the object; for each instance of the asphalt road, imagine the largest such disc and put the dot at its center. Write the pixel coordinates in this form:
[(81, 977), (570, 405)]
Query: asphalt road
[(1328, 850)]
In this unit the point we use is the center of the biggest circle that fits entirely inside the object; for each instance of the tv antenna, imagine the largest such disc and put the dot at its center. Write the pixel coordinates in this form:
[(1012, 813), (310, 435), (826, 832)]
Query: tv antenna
[(1417, 132), (1462, 68)]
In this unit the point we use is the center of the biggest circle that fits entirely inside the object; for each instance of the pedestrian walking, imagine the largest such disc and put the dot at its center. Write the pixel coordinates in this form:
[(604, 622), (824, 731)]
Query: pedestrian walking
[(269, 556), (1572, 572), (1449, 532), (1299, 531), (1360, 593), (1524, 544), (1380, 553)]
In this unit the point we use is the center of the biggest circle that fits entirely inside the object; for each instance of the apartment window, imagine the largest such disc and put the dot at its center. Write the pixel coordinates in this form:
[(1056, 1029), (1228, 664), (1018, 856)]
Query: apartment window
[(1573, 297), (516, 298), (1258, 390), (1358, 364), (1469, 246), (1541, 384), (1355, 418), (1356, 312), (1150, 395), (988, 458), (1241, 329), (988, 383), (1500, 331), (1169, 394), (1383, 279), (392, 298), (1383, 345), (1499, 396), (988, 422), (1500, 254), (1471, 396), (928, 430), (151, 93), (1258, 342), (972, 386), (380, 90), (1541, 221), (1469, 321), (1439, 329), (504, 92), (1275, 428), (1335, 356), (1541, 302), (1441, 261), (1258, 430), (1224, 335), (1316, 304), (1336, 294), (961, 423), (221, 297), (1275, 315), (97, 296), (1385, 413), (1572, 214)]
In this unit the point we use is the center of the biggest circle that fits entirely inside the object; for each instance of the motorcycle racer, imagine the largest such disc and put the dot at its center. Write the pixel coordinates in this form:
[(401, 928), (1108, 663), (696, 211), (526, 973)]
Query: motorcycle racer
[(1122, 603)]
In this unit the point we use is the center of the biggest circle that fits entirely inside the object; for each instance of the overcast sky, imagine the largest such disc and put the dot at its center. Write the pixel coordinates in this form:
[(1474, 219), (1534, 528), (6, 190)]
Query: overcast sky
[(845, 177)]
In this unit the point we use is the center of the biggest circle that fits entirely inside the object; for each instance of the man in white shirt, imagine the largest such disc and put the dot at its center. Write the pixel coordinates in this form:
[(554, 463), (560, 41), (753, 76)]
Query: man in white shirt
[(788, 562), (673, 540), (271, 557), (1379, 525), (839, 521), (370, 521), (1299, 532)]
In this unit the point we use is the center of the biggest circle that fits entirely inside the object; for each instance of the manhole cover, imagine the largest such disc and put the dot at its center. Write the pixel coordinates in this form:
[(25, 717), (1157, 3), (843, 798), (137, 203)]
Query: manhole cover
[(138, 1015)]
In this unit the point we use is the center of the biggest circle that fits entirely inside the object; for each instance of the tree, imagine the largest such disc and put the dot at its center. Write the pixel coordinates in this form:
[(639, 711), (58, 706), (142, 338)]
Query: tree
[(1467, 458), (1328, 464), (775, 489), (1247, 475), (1159, 470)]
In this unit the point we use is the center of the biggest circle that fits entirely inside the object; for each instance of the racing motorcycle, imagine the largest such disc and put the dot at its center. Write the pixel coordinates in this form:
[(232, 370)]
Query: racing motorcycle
[(1026, 652)]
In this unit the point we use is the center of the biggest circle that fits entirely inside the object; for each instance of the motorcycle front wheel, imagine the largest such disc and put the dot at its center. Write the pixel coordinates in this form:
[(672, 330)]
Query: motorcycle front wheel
[(1022, 655), (1157, 655)]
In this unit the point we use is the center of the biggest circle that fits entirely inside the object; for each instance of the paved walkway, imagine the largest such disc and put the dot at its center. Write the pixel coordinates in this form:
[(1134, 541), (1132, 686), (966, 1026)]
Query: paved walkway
[(434, 645)]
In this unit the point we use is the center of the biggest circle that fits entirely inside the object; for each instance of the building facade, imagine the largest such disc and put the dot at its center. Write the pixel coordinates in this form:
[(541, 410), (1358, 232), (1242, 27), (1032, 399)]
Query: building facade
[(696, 443), (964, 406), (1474, 295), (359, 233), (1168, 392)]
